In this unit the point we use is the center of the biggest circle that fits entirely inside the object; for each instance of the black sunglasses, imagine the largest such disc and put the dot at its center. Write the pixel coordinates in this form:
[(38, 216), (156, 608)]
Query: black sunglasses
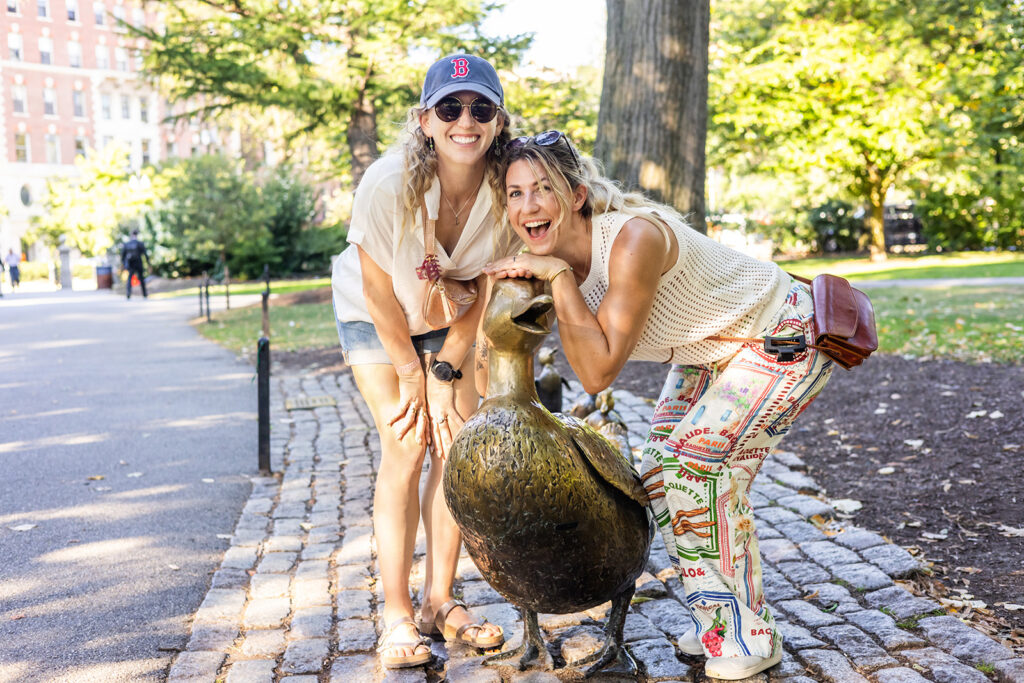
[(450, 108), (546, 139)]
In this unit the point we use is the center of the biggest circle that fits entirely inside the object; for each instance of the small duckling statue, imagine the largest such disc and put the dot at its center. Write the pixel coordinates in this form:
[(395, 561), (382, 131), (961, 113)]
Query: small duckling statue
[(584, 405), (549, 384), (609, 424), (552, 515)]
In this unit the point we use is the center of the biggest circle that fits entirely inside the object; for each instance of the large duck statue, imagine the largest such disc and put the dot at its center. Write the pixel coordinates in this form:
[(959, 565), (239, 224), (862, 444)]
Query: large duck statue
[(552, 514)]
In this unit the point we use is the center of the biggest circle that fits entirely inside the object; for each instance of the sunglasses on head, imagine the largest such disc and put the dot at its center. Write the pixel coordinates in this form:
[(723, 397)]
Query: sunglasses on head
[(450, 108), (546, 139)]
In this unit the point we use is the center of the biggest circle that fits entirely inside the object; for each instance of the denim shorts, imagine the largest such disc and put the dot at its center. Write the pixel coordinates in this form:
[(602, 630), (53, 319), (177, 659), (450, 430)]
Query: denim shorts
[(361, 345)]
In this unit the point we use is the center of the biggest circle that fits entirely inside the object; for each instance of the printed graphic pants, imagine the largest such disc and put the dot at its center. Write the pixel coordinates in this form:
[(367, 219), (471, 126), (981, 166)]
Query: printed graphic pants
[(713, 427)]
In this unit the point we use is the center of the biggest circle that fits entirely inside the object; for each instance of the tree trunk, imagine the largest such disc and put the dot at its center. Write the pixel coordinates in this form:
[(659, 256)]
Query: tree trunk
[(652, 124), (876, 222), (362, 136)]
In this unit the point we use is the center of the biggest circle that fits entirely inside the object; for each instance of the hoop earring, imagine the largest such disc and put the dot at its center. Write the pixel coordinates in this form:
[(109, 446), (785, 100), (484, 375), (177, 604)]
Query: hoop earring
[(430, 144)]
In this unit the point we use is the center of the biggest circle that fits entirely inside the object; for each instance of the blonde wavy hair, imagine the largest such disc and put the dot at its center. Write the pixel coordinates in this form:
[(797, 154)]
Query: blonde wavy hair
[(562, 161), (420, 164)]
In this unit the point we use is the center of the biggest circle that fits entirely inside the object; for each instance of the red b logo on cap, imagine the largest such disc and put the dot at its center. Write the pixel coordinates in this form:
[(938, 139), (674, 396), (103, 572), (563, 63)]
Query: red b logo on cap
[(461, 67)]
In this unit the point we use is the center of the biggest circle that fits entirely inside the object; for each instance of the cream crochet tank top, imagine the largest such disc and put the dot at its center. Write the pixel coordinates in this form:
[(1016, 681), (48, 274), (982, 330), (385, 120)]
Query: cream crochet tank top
[(711, 290)]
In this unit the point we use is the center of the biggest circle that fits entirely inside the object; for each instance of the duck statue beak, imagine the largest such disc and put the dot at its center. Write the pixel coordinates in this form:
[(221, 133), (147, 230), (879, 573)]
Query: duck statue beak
[(534, 315)]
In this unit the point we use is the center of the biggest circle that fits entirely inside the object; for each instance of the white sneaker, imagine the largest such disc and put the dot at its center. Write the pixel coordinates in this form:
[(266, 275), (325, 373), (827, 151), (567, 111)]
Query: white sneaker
[(690, 644), (738, 668)]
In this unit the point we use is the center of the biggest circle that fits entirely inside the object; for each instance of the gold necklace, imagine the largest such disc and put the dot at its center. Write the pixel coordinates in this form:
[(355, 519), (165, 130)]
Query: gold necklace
[(448, 202)]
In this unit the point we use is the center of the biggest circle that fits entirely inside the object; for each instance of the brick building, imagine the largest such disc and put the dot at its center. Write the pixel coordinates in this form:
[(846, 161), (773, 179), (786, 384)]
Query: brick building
[(70, 83)]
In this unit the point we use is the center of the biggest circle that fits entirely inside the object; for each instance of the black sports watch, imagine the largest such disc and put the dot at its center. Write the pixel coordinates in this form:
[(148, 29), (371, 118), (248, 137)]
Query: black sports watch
[(444, 371)]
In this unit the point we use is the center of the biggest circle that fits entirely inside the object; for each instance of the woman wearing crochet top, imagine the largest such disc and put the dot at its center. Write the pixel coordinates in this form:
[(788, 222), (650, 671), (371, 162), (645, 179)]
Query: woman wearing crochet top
[(630, 280), (411, 376)]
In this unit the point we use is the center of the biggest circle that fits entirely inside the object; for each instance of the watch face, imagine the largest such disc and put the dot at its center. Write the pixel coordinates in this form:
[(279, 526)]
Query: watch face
[(443, 371)]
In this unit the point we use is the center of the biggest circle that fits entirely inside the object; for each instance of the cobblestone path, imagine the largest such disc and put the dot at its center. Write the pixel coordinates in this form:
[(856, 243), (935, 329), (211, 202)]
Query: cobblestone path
[(296, 600)]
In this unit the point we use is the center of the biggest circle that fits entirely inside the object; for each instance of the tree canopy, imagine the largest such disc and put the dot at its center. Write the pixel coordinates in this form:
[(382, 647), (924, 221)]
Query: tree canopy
[(852, 98)]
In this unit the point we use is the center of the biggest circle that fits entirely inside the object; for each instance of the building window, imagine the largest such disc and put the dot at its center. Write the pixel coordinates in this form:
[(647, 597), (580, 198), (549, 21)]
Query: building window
[(102, 57), (43, 8), (172, 149), (52, 149), (139, 17), (108, 140), (78, 103), (99, 12), (126, 107), (21, 147), (75, 55), (15, 47), (118, 13), (12, 6), (105, 106), (49, 101), (19, 99), (121, 59), (144, 109), (45, 51), (72, 6), (80, 147), (145, 153)]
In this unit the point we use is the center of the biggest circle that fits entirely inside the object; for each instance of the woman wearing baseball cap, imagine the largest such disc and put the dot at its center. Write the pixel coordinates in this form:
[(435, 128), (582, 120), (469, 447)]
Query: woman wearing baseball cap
[(417, 381)]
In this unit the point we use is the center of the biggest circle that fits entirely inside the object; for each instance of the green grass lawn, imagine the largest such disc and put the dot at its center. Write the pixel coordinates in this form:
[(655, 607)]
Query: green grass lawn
[(973, 324), (961, 264), (294, 327), (254, 287)]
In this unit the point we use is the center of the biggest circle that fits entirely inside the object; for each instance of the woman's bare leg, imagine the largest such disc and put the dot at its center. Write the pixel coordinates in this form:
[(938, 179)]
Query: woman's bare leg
[(396, 497), (443, 537)]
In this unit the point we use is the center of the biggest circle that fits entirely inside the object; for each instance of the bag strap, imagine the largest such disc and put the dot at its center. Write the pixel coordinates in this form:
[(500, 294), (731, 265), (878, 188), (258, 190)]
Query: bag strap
[(428, 232), (777, 340)]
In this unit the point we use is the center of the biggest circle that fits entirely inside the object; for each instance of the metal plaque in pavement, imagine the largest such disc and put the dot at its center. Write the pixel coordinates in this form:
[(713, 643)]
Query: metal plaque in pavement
[(309, 402)]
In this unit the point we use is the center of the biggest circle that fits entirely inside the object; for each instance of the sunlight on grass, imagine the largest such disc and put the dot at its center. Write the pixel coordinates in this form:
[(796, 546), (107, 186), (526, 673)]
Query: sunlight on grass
[(975, 324), (961, 264), (254, 287), (295, 327)]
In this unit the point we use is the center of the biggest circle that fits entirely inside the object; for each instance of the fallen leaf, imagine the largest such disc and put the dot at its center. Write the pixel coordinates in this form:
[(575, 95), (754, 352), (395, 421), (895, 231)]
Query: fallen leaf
[(174, 567), (208, 481), (95, 477), (941, 536), (1009, 606), (134, 475), (224, 536), (976, 413), (887, 470), (847, 505), (22, 527), (995, 415), (18, 617), (1011, 447), (968, 570), (1011, 532), (914, 443)]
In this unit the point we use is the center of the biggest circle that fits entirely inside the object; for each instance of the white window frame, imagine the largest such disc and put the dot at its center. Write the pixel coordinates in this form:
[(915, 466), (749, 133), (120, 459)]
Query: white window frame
[(72, 9), (45, 55), (19, 95), (49, 102), (27, 147), (52, 146), (78, 98), (15, 47), (74, 54)]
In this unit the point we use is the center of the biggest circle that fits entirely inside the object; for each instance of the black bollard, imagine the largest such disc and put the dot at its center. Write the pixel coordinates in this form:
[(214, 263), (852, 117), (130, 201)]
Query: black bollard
[(263, 399), (207, 286)]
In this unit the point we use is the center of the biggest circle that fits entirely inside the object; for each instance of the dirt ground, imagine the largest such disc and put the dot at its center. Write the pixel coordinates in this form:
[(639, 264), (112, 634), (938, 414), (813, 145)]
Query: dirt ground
[(930, 449)]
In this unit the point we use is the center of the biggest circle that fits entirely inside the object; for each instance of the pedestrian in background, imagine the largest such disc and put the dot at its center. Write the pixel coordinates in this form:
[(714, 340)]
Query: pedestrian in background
[(133, 252), (14, 271)]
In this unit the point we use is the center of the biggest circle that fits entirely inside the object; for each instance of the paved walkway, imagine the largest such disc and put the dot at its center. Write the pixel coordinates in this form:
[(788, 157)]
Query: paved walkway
[(296, 597)]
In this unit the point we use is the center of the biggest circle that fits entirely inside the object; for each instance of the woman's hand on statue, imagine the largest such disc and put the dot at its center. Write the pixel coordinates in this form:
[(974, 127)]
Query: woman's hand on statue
[(445, 421), (412, 408), (526, 265)]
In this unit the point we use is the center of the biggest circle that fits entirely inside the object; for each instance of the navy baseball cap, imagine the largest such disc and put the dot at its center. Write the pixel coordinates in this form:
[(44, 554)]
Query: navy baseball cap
[(459, 72)]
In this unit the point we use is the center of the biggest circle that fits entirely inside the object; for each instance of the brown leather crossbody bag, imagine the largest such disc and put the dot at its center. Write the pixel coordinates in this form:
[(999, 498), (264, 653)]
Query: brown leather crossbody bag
[(445, 299), (844, 324)]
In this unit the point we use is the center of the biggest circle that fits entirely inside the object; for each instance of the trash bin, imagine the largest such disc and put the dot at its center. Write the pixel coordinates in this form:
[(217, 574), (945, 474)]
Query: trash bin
[(104, 277)]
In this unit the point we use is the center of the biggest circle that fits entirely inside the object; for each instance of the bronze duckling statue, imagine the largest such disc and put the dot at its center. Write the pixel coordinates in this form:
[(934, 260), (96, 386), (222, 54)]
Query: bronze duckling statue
[(549, 384), (609, 424), (551, 513)]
